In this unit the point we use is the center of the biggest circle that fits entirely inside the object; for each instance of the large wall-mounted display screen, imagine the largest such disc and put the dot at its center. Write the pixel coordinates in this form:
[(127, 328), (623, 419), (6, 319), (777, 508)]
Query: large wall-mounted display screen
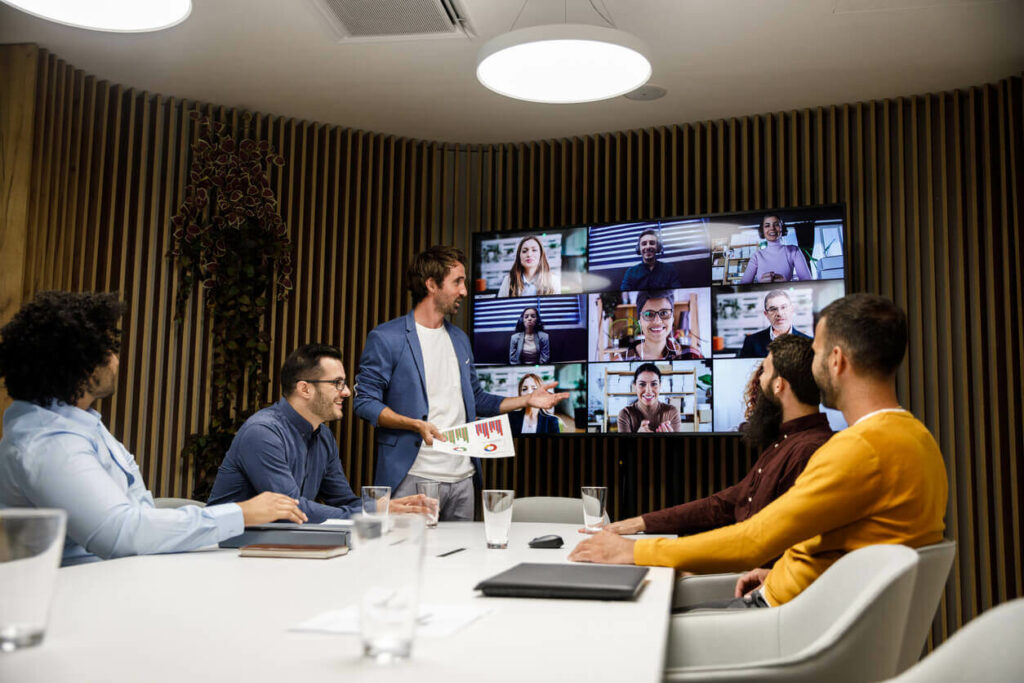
[(655, 326)]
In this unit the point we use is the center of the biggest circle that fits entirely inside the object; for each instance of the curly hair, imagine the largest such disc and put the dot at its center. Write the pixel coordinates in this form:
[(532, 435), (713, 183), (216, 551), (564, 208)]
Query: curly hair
[(53, 344)]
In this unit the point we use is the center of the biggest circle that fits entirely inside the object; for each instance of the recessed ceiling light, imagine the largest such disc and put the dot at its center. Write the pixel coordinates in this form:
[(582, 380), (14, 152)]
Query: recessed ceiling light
[(127, 16), (563, 63)]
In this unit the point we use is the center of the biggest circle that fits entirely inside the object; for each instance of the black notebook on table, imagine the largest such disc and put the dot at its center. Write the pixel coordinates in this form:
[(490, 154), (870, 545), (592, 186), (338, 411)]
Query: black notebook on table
[(291, 534), (579, 581)]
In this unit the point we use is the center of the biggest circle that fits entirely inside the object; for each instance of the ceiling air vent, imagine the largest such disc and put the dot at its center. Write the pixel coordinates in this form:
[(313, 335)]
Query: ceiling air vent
[(388, 20)]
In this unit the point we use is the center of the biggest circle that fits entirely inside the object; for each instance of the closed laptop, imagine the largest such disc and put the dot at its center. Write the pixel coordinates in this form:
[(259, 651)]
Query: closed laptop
[(579, 581)]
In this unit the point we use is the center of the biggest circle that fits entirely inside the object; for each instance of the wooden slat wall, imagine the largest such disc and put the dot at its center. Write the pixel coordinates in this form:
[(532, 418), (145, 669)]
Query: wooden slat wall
[(933, 187)]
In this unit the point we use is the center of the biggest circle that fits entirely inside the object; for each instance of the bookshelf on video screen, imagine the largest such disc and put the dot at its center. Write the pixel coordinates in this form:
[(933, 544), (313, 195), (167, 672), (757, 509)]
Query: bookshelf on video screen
[(653, 327)]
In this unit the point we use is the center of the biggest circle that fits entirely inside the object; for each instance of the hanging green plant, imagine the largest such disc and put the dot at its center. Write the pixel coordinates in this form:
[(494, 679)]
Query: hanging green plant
[(231, 244)]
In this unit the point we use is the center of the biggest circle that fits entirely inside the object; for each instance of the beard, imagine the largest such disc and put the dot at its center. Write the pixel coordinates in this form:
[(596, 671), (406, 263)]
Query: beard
[(323, 407), (827, 389), (762, 427)]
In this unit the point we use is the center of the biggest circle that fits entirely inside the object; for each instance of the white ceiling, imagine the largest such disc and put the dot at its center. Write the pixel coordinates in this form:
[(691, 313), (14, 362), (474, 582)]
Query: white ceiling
[(717, 58)]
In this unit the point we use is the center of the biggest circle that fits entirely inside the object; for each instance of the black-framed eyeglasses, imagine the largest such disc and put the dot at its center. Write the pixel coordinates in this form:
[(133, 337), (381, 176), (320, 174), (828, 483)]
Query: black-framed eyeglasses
[(664, 314), (339, 384)]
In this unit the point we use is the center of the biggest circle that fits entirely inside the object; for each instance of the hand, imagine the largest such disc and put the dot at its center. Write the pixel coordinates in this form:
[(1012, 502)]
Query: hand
[(429, 432), (750, 581), (665, 427), (633, 525), (543, 398), (270, 507), (413, 505), (645, 427), (604, 548)]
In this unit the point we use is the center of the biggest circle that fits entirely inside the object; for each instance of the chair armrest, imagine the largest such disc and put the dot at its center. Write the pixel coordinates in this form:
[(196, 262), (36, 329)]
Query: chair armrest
[(722, 639), (691, 590)]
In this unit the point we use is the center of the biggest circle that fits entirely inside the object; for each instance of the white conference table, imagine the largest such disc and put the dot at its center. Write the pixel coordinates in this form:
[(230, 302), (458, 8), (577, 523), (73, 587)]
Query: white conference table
[(212, 615)]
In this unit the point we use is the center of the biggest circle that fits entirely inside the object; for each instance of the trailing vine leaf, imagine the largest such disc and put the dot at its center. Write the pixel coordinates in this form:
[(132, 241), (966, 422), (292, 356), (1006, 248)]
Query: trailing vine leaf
[(230, 244)]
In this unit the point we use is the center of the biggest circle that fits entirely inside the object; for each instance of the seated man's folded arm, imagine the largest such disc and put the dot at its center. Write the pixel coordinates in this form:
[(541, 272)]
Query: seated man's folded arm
[(839, 486)]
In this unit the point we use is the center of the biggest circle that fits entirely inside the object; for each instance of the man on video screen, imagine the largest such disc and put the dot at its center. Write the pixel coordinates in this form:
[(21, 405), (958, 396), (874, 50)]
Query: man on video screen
[(650, 273), (778, 309)]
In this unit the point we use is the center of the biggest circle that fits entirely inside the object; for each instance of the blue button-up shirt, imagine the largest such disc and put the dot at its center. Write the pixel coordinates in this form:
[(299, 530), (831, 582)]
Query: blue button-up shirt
[(279, 450), (61, 456)]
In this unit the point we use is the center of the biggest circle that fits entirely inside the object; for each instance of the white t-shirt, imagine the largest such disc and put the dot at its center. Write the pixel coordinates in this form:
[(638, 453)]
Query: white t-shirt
[(445, 406)]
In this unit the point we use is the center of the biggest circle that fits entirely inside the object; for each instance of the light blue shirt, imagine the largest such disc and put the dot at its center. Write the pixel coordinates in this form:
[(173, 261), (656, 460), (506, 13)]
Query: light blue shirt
[(63, 457)]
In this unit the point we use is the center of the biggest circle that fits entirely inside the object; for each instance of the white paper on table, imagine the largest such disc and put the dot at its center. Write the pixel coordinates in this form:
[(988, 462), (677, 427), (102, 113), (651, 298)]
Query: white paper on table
[(434, 621), (487, 438)]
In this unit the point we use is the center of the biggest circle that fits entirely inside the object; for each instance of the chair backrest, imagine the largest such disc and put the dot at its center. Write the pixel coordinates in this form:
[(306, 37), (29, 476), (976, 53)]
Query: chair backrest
[(176, 502), (848, 625), (987, 649), (552, 509), (934, 563)]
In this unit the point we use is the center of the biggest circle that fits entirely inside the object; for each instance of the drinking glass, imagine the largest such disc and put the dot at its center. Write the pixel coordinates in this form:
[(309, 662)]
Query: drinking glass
[(376, 500), (594, 500), (31, 544), (432, 491), (497, 516), (391, 564)]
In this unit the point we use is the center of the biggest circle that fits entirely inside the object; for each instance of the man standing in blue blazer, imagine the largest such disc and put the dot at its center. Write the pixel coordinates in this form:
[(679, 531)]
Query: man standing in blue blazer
[(416, 377)]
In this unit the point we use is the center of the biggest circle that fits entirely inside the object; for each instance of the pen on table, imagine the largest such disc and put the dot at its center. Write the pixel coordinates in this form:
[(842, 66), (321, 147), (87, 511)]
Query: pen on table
[(451, 552)]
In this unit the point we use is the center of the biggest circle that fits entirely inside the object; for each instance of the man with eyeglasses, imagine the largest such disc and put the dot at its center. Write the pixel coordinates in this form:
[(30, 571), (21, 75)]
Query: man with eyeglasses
[(778, 309), (286, 448)]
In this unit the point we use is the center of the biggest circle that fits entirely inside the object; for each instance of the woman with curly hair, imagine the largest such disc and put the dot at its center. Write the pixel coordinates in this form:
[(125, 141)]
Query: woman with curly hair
[(530, 275), (58, 356)]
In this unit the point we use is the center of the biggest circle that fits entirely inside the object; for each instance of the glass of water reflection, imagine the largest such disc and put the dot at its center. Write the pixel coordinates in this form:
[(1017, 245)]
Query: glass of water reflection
[(497, 516), (594, 501)]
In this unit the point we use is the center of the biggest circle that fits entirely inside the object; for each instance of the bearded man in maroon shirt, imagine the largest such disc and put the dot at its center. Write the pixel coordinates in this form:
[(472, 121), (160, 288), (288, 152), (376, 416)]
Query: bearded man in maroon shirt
[(785, 425)]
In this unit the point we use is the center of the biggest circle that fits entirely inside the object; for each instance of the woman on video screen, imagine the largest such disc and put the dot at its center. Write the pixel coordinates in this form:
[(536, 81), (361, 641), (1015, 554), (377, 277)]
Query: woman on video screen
[(656, 311), (530, 344), (530, 275), (531, 420), (647, 413), (776, 262)]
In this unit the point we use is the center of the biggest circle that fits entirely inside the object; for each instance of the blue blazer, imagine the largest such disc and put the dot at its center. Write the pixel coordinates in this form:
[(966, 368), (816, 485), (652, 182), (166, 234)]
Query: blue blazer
[(391, 375), (756, 345)]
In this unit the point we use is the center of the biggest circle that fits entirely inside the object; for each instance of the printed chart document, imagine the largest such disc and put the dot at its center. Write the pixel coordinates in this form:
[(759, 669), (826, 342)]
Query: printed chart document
[(487, 438)]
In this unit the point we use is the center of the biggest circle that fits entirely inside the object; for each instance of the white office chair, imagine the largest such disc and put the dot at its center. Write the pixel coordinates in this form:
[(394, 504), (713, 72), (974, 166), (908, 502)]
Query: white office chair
[(987, 649), (934, 563), (846, 626), (176, 502), (552, 509)]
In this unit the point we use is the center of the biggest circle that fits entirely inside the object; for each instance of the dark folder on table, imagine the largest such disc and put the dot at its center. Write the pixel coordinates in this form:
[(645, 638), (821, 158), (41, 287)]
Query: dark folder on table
[(291, 534), (580, 581)]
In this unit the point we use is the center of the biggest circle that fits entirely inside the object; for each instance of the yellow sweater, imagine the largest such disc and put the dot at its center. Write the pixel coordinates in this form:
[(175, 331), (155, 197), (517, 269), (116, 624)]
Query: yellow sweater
[(880, 481)]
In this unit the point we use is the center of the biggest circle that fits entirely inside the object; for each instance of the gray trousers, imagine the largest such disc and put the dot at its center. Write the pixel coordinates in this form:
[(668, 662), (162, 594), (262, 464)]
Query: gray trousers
[(753, 601), (456, 500)]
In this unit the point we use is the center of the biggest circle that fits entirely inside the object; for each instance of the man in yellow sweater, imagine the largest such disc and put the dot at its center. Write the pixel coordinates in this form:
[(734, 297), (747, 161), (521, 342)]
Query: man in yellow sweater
[(881, 480)]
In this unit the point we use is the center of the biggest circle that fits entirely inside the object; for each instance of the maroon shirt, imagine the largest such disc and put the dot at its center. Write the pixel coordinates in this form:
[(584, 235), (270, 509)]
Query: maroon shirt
[(772, 475)]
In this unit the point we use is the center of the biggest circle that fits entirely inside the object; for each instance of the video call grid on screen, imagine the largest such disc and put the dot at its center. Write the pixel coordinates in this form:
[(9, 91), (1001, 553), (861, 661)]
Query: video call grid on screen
[(700, 298)]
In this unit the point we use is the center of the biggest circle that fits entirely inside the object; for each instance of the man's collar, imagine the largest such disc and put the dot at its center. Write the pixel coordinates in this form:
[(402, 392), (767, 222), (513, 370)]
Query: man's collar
[(292, 416), (87, 417), (812, 421)]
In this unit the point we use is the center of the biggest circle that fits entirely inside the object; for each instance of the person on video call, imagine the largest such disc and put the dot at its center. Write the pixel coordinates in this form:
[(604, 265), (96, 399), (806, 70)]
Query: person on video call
[(416, 376), (656, 312), (650, 273), (776, 262), (647, 413), (784, 425), (58, 357), (778, 309), (530, 344), (287, 447), (530, 275), (530, 420)]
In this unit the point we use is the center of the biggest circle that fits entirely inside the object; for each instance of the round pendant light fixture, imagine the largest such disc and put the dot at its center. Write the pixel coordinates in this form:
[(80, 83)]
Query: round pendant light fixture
[(563, 63), (122, 16)]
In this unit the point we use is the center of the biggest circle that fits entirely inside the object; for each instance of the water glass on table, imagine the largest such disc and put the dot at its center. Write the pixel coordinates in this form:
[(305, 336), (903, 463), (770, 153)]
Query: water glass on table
[(392, 563), (594, 500), (432, 491), (497, 516), (376, 500), (31, 544)]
